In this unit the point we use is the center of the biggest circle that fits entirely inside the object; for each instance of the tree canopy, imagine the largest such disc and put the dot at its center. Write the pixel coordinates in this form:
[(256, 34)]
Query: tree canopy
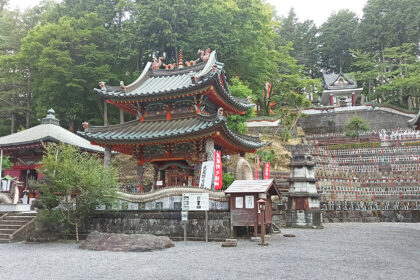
[(54, 54)]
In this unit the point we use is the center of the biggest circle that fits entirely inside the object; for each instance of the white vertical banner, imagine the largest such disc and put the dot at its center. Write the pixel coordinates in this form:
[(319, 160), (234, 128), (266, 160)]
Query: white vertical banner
[(206, 175)]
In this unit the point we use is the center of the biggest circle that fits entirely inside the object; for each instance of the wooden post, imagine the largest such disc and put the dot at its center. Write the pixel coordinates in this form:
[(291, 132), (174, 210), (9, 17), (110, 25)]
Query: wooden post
[(185, 231), (262, 226), (206, 222), (13, 123)]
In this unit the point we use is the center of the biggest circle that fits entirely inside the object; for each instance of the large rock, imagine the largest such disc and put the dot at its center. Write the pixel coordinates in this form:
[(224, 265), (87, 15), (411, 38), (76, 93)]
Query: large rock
[(116, 242)]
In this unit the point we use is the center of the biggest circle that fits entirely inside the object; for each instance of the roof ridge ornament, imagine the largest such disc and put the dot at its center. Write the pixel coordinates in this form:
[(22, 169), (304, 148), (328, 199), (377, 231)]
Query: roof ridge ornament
[(180, 60), (102, 85), (85, 126), (50, 118), (207, 68), (204, 55), (157, 62)]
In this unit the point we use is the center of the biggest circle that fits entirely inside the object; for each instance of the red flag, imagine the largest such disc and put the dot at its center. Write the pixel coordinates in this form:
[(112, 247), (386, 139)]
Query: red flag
[(257, 166), (218, 173), (266, 171)]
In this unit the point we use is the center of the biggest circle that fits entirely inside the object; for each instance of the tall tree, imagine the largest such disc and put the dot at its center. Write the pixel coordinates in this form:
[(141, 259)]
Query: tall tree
[(389, 23), (337, 36), (303, 35), (65, 61)]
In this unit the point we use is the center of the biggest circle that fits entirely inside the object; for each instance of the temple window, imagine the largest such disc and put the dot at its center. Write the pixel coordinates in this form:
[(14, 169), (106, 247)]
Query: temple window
[(239, 202), (249, 201)]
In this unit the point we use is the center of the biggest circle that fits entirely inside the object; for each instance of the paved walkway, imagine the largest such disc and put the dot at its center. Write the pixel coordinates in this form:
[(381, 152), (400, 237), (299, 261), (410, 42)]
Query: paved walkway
[(340, 251)]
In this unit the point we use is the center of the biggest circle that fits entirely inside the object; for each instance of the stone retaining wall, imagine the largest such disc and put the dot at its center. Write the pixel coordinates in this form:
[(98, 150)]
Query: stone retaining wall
[(371, 216), (162, 223), (331, 122)]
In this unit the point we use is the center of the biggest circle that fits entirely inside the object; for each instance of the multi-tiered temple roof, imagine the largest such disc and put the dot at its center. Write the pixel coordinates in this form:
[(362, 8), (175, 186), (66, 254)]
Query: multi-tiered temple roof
[(206, 78), (174, 106)]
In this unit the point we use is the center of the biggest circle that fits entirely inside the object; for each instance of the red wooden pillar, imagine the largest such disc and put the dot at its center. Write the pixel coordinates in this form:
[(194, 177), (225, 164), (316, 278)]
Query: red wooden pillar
[(331, 99), (353, 99)]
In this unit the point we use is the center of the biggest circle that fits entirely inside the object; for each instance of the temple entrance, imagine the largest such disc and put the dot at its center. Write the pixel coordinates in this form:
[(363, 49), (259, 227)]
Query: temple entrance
[(176, 173)]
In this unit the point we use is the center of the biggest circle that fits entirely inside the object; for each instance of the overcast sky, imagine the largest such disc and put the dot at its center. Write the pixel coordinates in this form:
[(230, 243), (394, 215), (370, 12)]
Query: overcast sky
[(317, 10)]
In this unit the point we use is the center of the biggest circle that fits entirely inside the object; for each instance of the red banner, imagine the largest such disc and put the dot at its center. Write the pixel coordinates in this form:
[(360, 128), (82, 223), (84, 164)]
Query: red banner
[(257, 166), (266, 171), (218, 173)]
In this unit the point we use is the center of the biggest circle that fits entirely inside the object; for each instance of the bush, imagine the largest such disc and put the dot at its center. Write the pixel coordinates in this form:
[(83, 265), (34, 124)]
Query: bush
[(227, 180), (355, 126)]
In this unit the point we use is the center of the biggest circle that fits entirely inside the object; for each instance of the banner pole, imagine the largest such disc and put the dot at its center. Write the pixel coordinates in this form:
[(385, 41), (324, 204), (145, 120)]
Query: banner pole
[(1, 162)]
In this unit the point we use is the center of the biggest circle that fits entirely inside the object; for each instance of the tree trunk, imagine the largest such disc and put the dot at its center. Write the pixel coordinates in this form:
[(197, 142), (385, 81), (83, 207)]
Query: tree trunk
[(13, 123)]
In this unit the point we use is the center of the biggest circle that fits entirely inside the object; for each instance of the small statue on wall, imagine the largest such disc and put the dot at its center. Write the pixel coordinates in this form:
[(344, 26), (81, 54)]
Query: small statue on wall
[(122, 86)]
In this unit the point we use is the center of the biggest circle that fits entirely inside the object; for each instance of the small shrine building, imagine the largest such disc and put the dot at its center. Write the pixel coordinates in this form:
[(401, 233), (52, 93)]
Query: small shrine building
[(25, 149), (339, 90), (180, 120)]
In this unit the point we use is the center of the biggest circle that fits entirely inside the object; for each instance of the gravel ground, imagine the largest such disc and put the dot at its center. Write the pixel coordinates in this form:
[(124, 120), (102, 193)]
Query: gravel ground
[(340, 251)]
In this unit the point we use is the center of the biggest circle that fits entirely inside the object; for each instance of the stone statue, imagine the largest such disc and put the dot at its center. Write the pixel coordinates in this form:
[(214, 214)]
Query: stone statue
[(243, 169)]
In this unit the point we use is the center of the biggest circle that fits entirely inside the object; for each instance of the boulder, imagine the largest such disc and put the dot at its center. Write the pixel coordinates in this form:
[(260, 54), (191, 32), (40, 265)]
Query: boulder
[(230, 243), (117, 242)]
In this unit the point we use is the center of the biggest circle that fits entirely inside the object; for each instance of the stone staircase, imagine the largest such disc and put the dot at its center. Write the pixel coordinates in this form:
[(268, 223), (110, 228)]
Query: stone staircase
[(14, 226)]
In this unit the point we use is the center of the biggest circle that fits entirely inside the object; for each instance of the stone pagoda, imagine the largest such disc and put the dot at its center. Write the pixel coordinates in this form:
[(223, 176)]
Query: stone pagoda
[(303, 203), (180, 120)]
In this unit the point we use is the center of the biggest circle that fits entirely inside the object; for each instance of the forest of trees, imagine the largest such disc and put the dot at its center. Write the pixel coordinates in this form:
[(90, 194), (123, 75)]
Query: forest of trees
[(54, 54)]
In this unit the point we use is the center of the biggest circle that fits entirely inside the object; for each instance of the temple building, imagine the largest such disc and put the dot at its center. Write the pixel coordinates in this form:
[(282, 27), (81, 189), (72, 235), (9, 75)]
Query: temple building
[(180, 120), (339, 90), (25, 149)]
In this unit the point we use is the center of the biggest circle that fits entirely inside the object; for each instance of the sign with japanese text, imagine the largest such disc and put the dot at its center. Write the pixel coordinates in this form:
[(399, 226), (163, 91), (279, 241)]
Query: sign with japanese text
[(257, 166), (218, 173), (206, 175), (266, 171), (195, 202)]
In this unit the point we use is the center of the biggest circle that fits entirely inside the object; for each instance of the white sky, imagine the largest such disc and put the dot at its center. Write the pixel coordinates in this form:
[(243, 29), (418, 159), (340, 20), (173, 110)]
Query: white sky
[(317, 10)]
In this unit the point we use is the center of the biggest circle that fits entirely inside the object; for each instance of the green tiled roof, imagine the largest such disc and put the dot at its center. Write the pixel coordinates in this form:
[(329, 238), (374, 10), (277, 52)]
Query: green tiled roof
[(329, 79), (156, 83), (136, 132)]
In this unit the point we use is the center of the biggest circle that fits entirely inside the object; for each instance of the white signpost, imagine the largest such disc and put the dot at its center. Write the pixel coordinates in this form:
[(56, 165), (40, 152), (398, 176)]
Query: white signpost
[(195, 202)]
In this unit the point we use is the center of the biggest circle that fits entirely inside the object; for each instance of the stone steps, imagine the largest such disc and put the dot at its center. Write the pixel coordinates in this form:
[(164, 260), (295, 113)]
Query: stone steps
[(12, 223)]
